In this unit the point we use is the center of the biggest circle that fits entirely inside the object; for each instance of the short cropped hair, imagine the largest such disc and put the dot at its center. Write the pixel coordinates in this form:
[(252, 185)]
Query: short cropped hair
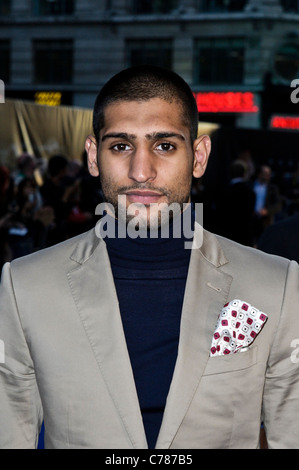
[(143, 83)]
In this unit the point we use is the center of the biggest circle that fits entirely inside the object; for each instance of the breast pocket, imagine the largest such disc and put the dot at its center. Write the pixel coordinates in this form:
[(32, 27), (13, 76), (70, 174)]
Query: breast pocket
[(231, 362), (225, 409)]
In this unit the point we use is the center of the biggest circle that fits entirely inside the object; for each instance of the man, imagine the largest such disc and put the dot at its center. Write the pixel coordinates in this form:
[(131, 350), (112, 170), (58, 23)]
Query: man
[(268, 202), (125, 342), (236, 207), (281, 238)]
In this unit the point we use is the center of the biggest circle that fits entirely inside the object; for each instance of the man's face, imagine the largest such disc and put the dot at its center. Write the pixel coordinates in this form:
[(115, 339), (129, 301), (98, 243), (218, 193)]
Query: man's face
[(265, 174), (145, 154)]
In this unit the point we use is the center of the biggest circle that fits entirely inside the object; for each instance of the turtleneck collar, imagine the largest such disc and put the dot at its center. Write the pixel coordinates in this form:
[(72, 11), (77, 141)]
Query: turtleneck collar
[(165, 246)]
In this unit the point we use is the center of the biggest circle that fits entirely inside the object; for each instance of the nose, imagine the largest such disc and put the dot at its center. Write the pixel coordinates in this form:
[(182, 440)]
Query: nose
[(142, 166)]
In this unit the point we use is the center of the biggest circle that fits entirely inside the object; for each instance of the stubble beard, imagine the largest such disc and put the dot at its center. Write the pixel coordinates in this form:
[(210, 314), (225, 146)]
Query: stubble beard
[(151, 216)]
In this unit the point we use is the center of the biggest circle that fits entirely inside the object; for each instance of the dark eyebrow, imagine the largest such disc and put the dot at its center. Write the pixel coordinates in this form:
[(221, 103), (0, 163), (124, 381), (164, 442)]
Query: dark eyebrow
[(153, 136), (164, 135), (118, 135)]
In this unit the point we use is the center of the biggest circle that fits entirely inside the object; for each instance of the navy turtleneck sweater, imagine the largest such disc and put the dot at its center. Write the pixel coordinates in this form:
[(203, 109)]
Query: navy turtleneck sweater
[(150, 277)]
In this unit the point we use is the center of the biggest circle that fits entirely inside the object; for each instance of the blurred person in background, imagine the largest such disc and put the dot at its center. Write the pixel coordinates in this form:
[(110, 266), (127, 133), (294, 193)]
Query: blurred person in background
[(6, 212), (30, 221), (282, 238), (26, 164), (245, 156), (57, 191), (236, 206), (268, 201)]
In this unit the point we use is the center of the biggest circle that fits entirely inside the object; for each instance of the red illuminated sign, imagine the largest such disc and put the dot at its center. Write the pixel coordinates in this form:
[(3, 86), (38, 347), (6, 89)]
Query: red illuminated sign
[(226, 102), (285, 122)]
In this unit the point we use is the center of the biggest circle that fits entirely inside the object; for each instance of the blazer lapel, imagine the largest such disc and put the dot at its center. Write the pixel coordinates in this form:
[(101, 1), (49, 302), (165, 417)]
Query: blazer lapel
[(93, 290), (207, 290)]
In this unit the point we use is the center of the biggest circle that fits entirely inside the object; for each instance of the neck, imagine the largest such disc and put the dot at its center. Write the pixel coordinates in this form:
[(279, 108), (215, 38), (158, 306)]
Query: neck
[(164, 251)]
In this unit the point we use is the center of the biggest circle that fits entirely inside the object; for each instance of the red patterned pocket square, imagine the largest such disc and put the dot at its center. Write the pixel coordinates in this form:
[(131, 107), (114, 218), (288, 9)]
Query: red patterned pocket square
[(238, 325)]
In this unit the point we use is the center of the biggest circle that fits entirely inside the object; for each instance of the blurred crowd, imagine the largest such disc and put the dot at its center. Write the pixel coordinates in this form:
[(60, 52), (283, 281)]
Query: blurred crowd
[(256, 205), (45, 202)]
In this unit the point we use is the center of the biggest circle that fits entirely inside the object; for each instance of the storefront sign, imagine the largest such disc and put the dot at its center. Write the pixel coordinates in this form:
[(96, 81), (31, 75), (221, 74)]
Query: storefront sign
[(285, 122), (226, 102), (50, 98)]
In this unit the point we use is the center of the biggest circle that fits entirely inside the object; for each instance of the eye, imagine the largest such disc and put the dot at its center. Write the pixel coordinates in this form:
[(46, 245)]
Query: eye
[(120, 147), (165, 147)]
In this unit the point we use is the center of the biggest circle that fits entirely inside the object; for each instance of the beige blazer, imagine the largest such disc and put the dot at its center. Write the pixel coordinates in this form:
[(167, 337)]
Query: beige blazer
[(66, 359)]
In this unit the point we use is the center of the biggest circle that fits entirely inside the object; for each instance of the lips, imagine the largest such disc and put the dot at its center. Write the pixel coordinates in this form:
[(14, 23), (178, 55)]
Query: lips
[(143, 196)]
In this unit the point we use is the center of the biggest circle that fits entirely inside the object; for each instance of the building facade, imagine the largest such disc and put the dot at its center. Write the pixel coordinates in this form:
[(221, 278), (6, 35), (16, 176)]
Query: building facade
[(240, 57)]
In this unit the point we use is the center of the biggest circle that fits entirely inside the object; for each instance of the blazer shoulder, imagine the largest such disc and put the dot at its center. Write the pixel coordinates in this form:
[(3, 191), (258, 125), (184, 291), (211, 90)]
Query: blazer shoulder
[(59, 255), (251, 256)]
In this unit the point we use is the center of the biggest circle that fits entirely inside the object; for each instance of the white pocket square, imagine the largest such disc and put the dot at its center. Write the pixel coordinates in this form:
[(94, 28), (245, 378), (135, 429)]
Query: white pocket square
[(237, 327)]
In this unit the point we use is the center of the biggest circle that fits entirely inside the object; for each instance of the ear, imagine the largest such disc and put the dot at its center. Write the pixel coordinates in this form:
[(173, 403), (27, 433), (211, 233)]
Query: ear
[(92, 153), (201, 151)]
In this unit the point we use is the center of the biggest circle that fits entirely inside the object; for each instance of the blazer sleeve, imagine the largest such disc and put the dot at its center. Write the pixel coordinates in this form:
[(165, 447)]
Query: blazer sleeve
[(20, 404), (281, 392)]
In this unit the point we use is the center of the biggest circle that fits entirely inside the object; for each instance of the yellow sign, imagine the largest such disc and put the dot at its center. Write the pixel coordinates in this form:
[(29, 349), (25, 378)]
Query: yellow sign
[(50, 98)]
